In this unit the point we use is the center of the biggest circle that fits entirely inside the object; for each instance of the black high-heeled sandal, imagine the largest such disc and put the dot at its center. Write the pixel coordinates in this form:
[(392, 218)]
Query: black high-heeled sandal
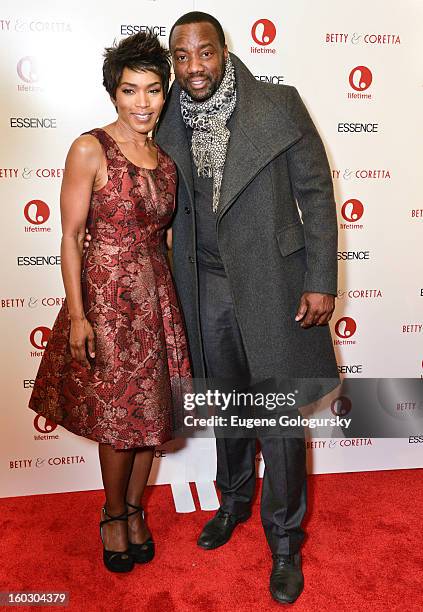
[(142, 553), (116, 561)]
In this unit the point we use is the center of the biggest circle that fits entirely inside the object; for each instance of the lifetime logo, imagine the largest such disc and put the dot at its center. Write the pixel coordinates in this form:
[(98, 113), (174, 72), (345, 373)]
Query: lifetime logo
[(27, 69), (360, 79), (43, 425), (37, 212), (39, 338), (341, 406), (345, 329), (263, 33), (352, 210)]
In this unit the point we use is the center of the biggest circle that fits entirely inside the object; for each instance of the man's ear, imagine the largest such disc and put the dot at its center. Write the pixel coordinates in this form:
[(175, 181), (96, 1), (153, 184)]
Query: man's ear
[(225, 52)]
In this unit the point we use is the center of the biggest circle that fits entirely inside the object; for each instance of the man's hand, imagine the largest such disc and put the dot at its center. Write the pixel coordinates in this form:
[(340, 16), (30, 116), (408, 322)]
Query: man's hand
[(87, 240), (315, 309)]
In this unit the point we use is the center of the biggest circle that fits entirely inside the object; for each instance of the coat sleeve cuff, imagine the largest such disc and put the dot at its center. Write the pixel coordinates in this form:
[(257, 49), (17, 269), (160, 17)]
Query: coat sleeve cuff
[(319, 285)]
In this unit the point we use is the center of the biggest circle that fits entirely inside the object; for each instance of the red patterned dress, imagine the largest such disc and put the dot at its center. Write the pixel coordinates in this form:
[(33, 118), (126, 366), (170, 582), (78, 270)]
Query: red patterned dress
[(130, 395)]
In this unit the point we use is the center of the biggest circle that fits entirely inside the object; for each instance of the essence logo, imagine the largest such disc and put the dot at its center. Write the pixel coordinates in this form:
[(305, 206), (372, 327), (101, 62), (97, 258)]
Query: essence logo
[(129, 29), (345, 329), (43, 425), (352, 127), (360, 79), (341, 406), (353, 255), (351, 368), (36, 212), (38, 260), (276, 79), (352, 210), (263, 33), (39, 338), (33, 122)]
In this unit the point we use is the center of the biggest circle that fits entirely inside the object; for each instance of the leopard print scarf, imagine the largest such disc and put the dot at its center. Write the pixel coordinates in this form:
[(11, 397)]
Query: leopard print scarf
[(210, 135)]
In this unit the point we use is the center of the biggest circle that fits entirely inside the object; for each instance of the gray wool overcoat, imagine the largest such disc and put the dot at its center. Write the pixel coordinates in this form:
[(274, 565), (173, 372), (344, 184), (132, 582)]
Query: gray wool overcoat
[(275, 158)]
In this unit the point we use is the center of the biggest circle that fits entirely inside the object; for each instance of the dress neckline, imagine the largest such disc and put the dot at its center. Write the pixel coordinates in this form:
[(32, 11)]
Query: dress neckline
[(128, 160)]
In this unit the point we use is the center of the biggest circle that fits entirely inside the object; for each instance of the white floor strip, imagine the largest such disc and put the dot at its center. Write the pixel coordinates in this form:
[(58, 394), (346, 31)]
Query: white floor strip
[(182, 497), (207, 495)]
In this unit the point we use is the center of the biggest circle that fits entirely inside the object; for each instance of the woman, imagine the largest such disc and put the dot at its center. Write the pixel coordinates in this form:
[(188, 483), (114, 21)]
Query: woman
[(116, 361)]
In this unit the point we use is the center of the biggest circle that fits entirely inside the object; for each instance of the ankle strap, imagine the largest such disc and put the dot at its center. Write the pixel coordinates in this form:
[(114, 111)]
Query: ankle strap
[(137, 509), (119, 517)]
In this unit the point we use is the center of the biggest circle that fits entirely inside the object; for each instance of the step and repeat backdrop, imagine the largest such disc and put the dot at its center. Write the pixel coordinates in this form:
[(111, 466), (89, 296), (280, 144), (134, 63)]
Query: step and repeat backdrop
[(358, 69)]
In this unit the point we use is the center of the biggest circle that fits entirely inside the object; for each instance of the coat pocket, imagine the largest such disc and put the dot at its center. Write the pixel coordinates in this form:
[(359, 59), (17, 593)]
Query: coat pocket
[(291, 238)]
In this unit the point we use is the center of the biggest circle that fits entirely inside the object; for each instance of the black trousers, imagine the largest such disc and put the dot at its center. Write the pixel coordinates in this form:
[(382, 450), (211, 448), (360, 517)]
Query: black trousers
[(283, 501)]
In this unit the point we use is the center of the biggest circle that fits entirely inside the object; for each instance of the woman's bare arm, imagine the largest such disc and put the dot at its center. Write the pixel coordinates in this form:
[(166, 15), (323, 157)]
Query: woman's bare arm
[(81, 172)]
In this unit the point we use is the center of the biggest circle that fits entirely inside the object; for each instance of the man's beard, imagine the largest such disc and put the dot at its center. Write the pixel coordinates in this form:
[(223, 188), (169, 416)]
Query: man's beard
[(213, 86), (201, 96)]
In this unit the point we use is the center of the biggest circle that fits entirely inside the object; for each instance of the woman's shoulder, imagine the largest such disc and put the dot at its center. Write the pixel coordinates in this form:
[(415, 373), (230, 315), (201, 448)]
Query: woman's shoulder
[(85, 155), (86, 146)]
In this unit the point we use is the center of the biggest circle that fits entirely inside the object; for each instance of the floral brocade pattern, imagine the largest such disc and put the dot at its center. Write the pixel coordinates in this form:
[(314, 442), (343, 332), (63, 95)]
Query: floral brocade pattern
[(132, 395)]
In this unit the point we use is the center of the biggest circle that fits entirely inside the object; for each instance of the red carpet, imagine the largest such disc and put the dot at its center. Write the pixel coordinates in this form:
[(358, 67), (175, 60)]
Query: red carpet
[(363, 552)]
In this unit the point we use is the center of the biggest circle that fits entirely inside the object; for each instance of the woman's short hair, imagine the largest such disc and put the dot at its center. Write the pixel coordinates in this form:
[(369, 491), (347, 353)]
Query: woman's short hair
[(140, 52)]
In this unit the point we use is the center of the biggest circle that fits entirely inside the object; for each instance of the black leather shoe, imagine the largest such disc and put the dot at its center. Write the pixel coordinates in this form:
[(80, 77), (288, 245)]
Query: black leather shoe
[(219, 529), (286, 579)]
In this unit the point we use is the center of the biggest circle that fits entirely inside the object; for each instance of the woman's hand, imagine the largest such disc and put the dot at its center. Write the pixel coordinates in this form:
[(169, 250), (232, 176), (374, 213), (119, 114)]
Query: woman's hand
[(169, 239), (87, 240), (81, 339)]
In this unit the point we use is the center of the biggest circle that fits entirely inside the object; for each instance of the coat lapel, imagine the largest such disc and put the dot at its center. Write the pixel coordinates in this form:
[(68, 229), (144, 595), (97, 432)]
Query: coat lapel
[(172, 137), (260, 131)]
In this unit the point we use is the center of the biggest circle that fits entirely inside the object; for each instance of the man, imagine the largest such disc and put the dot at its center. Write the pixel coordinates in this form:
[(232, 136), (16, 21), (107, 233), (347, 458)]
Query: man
[(256, 283)]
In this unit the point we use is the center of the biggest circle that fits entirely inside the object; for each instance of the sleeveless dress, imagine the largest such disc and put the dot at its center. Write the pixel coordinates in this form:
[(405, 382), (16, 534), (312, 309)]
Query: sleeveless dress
[(133, 392)]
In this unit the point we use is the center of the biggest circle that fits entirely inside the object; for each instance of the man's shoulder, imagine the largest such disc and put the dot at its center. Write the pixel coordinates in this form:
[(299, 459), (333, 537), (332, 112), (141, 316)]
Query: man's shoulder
[(274, 91), (279, 92), (283, 99)]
